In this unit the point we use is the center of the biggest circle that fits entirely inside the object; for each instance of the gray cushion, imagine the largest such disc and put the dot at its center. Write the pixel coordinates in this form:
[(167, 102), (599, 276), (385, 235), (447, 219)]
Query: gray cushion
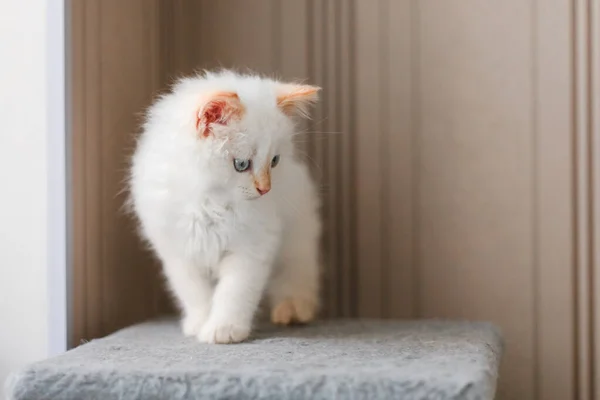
[(340, 359)]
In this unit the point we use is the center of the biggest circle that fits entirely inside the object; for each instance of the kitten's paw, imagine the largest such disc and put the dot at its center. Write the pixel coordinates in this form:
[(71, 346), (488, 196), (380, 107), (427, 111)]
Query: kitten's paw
[(223, 333), (294, 311), (193, 322)]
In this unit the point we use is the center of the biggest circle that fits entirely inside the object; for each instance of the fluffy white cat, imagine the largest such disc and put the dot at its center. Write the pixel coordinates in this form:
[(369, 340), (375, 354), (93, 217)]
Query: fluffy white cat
[(226, 205)]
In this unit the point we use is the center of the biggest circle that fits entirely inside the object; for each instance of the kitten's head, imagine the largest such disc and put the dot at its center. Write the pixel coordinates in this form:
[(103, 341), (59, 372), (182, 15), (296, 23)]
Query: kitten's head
[(244, 126)]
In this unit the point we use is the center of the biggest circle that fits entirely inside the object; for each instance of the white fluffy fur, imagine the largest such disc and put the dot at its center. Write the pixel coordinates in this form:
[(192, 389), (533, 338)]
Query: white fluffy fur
[(222, 245)]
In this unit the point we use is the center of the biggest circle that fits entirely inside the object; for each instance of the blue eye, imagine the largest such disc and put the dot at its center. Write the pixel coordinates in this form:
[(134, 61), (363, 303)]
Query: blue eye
[(241, 165), (275, 161)]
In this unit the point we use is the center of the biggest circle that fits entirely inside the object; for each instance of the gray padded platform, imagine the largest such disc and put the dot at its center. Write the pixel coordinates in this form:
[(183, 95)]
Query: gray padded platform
[(341, 359)]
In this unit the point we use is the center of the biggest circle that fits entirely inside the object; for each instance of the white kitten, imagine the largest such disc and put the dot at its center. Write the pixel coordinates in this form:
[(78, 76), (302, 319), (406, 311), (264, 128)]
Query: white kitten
[(225, 204)]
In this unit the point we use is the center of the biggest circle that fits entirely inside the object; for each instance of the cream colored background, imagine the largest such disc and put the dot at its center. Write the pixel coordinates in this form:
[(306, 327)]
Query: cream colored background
[(454, 145), (24, 150)]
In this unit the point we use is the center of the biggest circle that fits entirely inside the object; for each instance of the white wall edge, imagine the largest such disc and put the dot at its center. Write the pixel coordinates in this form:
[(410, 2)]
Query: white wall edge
[(57, 259)]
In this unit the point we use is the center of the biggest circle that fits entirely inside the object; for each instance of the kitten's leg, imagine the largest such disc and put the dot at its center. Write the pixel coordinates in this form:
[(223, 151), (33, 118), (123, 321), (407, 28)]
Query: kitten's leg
[(193, 292), (294, 289), (241, 285)]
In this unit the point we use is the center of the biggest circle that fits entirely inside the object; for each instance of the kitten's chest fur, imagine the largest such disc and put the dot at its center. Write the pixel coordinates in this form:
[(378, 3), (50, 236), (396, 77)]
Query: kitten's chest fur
[(212, 230)]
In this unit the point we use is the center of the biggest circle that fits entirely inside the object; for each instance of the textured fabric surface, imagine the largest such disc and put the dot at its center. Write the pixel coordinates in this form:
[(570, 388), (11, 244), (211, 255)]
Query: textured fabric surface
[(341, 359)]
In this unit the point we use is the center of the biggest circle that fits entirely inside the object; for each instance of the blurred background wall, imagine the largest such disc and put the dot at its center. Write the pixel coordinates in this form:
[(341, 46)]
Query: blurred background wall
[(32, 182), (453, 147)]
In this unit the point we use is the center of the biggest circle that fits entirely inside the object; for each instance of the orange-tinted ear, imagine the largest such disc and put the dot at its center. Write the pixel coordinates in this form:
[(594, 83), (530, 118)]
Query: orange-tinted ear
[(297, 99), (220, 108)]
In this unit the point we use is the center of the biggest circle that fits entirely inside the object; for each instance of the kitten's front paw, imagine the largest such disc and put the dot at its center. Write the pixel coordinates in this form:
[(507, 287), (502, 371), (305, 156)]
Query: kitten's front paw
[(193, 322), (294, 311), (223, 332)]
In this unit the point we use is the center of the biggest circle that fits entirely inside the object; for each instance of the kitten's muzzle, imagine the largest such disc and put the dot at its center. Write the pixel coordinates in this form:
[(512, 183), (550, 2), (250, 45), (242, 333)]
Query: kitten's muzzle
[(262, 182)]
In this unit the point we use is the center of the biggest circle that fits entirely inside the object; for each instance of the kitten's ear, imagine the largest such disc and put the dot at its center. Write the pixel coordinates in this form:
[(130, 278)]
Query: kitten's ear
[(219, 108), (297, 99)]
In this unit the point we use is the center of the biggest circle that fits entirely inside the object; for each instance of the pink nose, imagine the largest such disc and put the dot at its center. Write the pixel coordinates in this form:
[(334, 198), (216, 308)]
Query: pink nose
[(263, 190)]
